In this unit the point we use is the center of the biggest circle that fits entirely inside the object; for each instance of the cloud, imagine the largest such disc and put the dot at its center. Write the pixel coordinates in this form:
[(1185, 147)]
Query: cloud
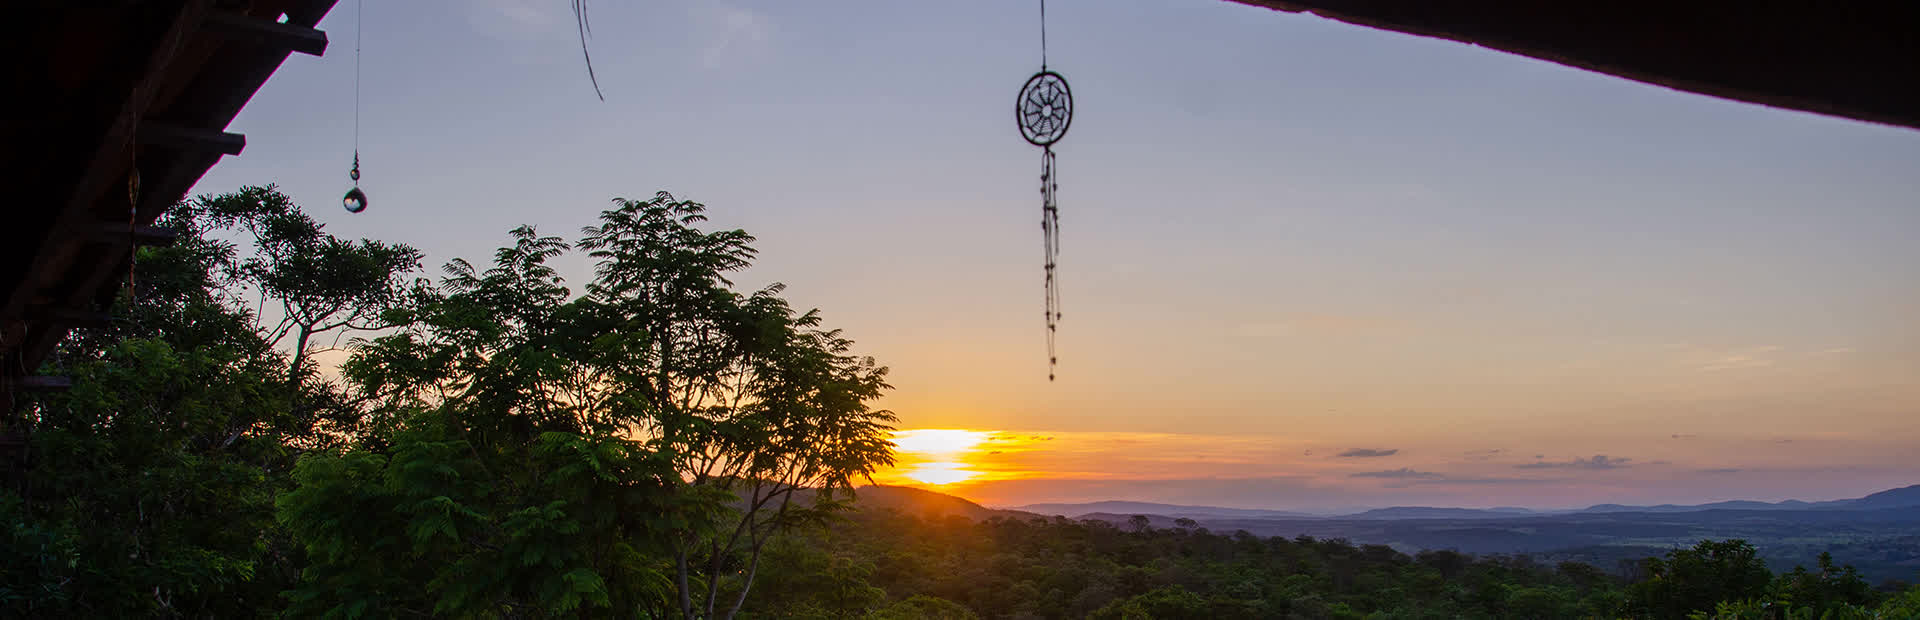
[(1482, 455), (1497, 480), (1401, 473), (1599, 461), (1722, 470), (729, 33), (1324, 324), (1738, 358), (1685, 436), (516, 19), (1406, 477), (1364, 453)]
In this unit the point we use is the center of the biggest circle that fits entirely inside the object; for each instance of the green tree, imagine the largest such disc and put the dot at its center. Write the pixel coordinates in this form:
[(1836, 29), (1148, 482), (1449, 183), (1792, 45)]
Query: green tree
[(1696, 579), (716, 418), (495, 483), (321, 283), (1826, 588), (751, 401), (151, 489), (923, 607)]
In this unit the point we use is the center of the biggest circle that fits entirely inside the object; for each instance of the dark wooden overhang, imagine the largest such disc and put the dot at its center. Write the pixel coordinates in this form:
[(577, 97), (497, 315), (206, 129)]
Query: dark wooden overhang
[(1858, 60), (98, 89)]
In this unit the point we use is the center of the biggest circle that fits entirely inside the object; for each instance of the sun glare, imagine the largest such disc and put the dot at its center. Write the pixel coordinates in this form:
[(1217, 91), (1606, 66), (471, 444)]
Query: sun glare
[(936, 456), (937, 441), (940, 473)]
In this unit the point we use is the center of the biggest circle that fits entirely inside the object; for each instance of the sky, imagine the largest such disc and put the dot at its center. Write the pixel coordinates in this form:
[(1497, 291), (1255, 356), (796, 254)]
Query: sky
[(1305, 265)]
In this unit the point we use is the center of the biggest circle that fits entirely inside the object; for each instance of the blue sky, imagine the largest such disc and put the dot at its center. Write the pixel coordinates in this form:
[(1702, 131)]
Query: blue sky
[(1281, 233)]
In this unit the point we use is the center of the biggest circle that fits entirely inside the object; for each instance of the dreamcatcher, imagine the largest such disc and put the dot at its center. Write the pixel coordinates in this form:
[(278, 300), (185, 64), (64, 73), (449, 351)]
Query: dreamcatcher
[(1044, 111)]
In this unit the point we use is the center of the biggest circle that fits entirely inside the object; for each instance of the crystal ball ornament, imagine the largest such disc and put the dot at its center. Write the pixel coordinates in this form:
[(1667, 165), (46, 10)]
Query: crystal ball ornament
[(355, 201)]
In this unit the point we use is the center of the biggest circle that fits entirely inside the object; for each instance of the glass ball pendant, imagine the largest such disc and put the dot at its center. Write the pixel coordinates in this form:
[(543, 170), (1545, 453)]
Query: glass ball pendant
[(355, 201)]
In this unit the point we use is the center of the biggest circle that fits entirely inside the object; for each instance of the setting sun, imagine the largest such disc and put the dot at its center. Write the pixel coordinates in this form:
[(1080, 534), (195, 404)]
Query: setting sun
[(935, 456), (940, 473), (937, 440)]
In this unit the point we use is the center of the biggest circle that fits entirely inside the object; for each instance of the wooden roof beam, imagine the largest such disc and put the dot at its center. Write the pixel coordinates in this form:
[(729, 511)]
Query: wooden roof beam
[(118, 233), (190, 138), (277, 35), (43, 383)]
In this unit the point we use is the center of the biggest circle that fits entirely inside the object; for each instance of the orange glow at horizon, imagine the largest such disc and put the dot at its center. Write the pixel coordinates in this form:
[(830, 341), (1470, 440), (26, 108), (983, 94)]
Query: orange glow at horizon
[(935, 456), (943, 473)]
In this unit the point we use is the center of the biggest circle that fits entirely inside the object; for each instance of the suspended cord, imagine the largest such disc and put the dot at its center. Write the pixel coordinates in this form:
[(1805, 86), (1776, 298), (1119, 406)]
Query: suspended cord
[(1050, 234), (133, 216), (359, 8), (1043, 35), (585, 28)]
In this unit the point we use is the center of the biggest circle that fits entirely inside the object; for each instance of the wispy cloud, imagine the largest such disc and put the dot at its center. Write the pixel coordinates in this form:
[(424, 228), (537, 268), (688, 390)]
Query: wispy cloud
[(1722, 470), (1598, 461), (1320, 324), (729, 33), (1368, 453), (1405, 477), (1401, 473), (1718, 359), (1482, 455), (515, 19), (1685, 436)]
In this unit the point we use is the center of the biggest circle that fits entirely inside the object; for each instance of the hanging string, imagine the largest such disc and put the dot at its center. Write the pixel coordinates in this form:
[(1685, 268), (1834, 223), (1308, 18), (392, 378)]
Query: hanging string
[(359, 8), (355, 200), (1043, 35), (133, 215), (585, 27), (1050, 235)]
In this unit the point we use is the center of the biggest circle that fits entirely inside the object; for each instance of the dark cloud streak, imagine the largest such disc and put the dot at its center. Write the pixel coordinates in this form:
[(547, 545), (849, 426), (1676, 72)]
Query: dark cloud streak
[(1597, 462), (1401, 473)]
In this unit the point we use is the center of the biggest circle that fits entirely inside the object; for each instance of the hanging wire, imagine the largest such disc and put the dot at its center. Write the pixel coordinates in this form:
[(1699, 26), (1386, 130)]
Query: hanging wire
[(359, 9), (586, 32), (1043, 35), (133, 215)]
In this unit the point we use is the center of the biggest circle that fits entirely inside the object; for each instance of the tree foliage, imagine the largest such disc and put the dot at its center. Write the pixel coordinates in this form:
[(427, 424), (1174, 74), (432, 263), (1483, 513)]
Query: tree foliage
[(152, 481), (656, 443), (720, 417)]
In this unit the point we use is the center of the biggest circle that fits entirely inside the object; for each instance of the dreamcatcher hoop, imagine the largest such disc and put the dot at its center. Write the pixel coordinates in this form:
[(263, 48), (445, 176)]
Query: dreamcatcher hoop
[(1045, 108)]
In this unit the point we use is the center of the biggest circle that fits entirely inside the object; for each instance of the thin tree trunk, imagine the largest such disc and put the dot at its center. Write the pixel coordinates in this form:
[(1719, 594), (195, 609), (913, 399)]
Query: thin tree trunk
[(713, 574), (680, 579), (299, 357), (753, 567)]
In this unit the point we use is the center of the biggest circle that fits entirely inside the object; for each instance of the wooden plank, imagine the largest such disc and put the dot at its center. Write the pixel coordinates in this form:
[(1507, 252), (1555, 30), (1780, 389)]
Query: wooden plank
[(43, 383), (117, 233), (272, 34), (190, 138), (74, 317)]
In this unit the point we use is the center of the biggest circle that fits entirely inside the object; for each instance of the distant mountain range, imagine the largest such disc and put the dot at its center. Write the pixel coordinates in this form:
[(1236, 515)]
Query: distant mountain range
[(1904, 497), (927, 504), (1171, 510), (1879, 533)]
